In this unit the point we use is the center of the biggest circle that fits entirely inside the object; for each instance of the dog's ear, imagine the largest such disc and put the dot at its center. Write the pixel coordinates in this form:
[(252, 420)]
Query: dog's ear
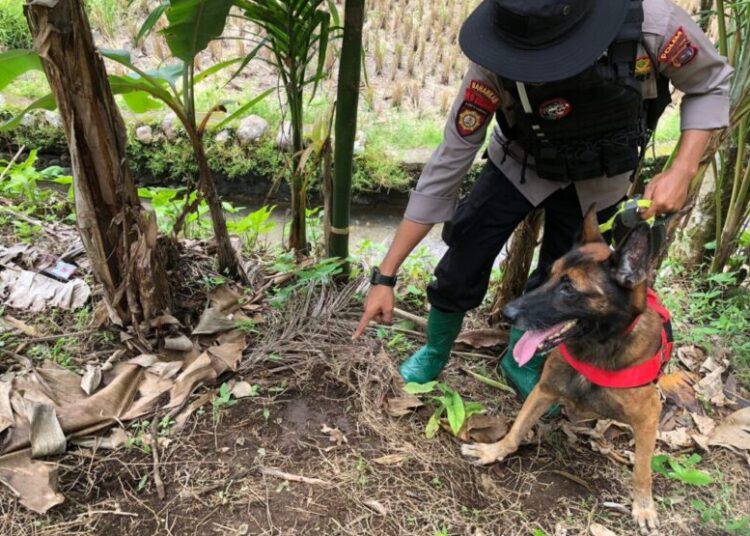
[(590, 232), (632, 258)]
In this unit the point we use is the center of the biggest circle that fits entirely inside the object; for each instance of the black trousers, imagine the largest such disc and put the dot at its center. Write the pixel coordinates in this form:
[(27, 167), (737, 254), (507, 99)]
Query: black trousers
[(481, 226)]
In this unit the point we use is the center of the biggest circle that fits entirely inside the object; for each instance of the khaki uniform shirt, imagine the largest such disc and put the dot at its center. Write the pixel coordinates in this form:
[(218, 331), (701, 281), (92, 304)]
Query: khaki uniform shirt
[(704, 79)]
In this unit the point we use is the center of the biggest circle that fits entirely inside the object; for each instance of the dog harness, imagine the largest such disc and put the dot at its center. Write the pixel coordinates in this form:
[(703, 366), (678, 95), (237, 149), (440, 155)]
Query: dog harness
[(637, 375)]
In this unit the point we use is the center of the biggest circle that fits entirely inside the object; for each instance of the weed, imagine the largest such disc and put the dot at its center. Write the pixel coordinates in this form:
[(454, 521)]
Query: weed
[(682, 469), (319, 274), (140, 438), (252, 226), (719, 512), (449, 403), (248, 326), (222, 401)]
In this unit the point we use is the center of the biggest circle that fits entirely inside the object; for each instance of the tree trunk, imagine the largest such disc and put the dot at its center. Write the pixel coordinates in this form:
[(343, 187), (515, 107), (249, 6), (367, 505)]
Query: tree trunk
[(228, 261), (350, 69), (298, 229), (118, 234), (517, 264)]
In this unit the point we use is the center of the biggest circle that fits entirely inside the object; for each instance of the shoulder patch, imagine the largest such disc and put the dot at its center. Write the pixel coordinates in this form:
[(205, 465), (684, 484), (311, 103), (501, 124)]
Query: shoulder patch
[(480, 102), (679, 51)]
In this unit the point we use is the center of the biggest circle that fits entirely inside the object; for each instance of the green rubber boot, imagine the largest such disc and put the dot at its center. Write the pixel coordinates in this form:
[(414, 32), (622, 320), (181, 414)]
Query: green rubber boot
[(524, 378), (428, 362)]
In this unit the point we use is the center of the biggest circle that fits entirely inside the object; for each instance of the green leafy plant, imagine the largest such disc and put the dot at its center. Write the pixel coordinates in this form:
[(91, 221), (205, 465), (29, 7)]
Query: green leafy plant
[(223, 400), (296, 32), (681, 469), (14, 33), (448, 403), (252, 226), (304, 277)]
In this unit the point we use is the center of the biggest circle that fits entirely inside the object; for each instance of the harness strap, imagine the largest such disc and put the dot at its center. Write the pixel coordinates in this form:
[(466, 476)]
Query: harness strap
[(637, 375)]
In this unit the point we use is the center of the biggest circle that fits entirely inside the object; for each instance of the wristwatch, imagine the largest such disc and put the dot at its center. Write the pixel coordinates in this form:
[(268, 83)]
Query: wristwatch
[(376, 278)]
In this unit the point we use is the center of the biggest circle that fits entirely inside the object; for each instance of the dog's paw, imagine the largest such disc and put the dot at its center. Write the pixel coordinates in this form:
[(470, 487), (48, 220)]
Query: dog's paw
[(645, 517), (484, 453)]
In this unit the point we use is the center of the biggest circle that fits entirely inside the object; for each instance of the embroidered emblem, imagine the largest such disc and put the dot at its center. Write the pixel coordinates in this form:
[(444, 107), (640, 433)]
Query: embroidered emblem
[(685, 57), (679, 51), (643, 66), (480, 101), (555, 109)]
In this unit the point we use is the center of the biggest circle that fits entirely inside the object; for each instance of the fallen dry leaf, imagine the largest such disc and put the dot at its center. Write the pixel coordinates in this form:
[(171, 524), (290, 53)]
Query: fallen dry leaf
[(334, 435), (676, 439), (711, 388), (33, 482), (113, 441), (91, 379), (225, 299), (6, 412), (678, 388), (21, 326), (163, 321), (244, 390), (691, 356), (705, 424), (733, 432), (36, 292), (199, 371), (401, 405), (178, 344), (47, 437), (212, 322), (377, 507), (598, 530), (226, 356), (390, 459), (485, 428), (483, 338)]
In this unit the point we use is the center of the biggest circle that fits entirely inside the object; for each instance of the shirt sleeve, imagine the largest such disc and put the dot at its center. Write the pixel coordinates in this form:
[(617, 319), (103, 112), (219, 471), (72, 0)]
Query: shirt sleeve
[(433, 200), (690, 60)]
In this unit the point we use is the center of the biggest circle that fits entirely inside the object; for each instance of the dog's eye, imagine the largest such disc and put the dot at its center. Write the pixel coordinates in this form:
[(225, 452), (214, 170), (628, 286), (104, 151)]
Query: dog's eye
[(566, 285)]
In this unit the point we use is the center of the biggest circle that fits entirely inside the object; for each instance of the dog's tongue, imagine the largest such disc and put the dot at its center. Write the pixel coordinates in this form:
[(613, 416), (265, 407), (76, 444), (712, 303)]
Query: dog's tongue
[(529, 342)]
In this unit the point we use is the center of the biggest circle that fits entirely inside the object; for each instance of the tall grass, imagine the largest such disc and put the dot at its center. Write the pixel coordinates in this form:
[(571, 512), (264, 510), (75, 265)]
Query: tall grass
[(14, 33)]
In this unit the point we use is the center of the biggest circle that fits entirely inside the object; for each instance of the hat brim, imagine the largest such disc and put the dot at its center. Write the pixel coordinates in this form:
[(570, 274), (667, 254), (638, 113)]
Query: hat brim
[(579, 49)]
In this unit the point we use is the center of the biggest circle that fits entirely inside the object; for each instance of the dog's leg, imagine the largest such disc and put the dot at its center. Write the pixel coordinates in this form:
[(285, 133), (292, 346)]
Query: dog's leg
[(644, 423), (536, 405)]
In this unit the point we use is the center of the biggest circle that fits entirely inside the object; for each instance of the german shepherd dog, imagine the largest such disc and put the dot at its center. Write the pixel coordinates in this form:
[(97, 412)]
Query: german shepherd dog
[(590, 299)]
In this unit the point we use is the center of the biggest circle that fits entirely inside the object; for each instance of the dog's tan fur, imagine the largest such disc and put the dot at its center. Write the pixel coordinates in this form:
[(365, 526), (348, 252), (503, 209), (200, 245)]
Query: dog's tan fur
[(559, 383)]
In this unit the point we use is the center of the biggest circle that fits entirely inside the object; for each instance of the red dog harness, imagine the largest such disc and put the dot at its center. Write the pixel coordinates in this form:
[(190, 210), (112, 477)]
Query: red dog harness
[(637, 375)]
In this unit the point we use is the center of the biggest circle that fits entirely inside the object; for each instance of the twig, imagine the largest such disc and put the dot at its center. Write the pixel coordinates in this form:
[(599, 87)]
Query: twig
[(418, 320), (104, 512), (155, 451), (50, 338), (276, 473), (12, 161)]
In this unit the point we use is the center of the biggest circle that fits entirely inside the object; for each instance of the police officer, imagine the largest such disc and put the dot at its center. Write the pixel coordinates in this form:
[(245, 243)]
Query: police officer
[(577, 87)]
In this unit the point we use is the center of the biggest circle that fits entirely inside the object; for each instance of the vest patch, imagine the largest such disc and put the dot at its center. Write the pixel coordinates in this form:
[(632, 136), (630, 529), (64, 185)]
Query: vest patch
[(643, 66), (679, 51), (555, 109), (480, 101)]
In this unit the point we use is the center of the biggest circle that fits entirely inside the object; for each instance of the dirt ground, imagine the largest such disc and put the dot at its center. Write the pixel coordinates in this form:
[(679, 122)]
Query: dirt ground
[(382, 476)]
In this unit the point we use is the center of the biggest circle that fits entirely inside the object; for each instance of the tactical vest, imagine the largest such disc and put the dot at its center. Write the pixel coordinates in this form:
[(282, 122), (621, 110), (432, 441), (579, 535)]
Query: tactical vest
[(595, 124)]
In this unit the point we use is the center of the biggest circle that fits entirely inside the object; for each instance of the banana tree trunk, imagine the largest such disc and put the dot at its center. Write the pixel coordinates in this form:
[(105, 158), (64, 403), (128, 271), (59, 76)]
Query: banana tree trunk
[(517, 264), (298, 230), (228, 260), (346, 127), (119, 235)]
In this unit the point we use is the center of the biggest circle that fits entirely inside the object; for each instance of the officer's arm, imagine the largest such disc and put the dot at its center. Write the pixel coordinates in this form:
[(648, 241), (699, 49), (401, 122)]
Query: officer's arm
[(433, 200), (687, 56)]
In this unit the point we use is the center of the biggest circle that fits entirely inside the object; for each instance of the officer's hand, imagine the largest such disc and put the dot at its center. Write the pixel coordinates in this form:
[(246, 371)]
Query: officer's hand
[(378, 307), (668, 192)]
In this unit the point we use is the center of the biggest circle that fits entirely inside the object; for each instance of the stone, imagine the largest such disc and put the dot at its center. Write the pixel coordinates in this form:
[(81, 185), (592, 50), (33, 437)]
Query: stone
[(52, 118), (251, 129), (169, 126), (359, 142), (223, 137), (144, 134), (284, 137)]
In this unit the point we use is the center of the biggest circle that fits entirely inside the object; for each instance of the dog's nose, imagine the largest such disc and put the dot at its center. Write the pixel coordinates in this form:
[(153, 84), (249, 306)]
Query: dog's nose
[(511, 312)]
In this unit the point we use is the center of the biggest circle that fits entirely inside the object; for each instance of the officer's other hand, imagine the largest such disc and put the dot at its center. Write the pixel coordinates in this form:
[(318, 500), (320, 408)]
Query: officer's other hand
[(668, 192), (378, 307)]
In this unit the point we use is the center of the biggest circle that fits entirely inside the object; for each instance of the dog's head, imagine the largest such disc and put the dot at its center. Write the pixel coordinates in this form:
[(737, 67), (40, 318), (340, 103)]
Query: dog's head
[(592, 291)]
